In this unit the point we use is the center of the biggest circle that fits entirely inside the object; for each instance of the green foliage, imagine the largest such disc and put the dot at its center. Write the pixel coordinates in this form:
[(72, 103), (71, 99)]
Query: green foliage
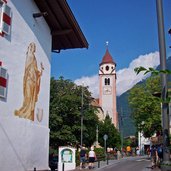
[(127, 142), (65, 114), (151, 70), (146, 108), (150, 126), (65, 117), (108, 128), (100, 153)]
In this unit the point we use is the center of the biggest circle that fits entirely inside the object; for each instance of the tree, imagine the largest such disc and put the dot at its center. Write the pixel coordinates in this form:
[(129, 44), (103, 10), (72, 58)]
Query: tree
[(145, 106), (108, 128), (151, 70), (65, 114)]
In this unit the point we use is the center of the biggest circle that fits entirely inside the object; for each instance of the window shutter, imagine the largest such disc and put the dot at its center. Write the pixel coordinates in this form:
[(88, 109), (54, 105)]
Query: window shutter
[(5, 18), (3, 82)]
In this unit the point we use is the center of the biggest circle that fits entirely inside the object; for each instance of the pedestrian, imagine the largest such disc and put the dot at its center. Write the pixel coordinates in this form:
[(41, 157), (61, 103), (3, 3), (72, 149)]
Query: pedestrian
[(148, 152), (83, 157), (118, 155), (137, 151), (128, 150), (92, 158), (160, 154), (154, 156)]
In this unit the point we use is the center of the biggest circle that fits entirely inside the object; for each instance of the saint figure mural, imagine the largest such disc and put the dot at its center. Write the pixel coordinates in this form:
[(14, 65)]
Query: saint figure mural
[(31, 84)]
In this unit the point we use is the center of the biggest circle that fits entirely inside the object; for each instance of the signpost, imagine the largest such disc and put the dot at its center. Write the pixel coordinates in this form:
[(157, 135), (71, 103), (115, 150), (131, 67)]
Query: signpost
[(105, 137)]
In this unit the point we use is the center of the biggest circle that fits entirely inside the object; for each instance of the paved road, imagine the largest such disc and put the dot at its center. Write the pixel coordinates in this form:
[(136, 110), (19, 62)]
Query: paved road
[(125, 164)]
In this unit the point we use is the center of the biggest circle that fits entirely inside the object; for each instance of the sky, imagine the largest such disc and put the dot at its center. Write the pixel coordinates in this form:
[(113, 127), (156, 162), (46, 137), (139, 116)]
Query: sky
[(131, 29)]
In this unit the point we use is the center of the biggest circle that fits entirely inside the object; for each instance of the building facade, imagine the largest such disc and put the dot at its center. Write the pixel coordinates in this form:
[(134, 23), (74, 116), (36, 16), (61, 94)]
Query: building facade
[(107, 87), (29, 31)]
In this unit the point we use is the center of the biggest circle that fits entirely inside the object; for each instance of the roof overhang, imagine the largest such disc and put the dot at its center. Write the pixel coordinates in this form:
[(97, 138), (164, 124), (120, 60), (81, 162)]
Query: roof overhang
[(65, 31)]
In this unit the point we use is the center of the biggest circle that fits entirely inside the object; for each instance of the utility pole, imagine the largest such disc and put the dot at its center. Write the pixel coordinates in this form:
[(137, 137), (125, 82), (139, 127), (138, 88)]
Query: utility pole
[(162, 49), (82, 116)]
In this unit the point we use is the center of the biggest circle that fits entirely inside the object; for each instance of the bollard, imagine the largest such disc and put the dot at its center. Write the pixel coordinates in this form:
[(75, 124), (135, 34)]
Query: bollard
[(34, 168), (107, 161), (62, 166), (98, 163)]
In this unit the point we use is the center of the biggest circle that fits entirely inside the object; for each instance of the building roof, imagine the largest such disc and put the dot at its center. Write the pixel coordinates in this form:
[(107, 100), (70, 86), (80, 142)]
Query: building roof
[(66, 33), (107, 58)]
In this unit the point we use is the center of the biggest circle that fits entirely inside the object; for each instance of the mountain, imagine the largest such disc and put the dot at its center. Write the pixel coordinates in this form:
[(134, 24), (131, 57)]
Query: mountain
[(126, 123)]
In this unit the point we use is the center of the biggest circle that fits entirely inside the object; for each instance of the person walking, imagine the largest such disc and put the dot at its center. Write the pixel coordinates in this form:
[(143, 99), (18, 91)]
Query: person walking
[(92, 158), (83, 157), (160, 154), (154, 156)]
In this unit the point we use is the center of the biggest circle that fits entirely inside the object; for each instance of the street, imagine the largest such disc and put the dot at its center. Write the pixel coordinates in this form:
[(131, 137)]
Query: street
[(129, 164), (126, 164)]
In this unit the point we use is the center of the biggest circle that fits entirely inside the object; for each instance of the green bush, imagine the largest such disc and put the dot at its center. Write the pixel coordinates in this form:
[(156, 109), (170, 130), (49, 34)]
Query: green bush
[(100, 153)]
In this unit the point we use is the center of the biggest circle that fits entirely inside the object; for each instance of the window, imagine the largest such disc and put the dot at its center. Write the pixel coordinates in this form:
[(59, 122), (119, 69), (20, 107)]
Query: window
[(107, 68), (5, 18), (107, 81), (3, 82)]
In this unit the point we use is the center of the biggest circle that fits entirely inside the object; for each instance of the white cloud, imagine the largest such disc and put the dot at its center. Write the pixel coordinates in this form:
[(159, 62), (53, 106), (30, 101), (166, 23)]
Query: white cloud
[(126, 77), (92, 82)]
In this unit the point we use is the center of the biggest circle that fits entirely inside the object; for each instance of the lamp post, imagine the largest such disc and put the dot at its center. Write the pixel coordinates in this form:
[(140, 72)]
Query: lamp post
[(162, 49), (105, 137), (121, 131), (82, 116)]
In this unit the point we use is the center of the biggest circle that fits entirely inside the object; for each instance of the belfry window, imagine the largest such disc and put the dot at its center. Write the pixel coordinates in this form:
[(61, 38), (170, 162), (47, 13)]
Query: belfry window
[(107, 68), (107, 81)]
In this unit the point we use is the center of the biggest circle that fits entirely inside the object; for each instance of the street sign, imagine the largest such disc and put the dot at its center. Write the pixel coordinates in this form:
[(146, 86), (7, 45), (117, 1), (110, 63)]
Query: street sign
[(105, 137)]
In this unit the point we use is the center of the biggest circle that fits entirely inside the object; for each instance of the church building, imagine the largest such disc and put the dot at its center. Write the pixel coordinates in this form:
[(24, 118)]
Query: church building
[(107, 87)]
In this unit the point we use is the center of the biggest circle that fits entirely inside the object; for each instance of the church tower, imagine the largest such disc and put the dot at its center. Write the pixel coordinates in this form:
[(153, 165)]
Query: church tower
[(107, 89)]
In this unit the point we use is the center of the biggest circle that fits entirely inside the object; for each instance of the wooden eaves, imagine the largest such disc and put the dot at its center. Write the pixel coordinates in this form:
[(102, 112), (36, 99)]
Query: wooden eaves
[(66, 33)]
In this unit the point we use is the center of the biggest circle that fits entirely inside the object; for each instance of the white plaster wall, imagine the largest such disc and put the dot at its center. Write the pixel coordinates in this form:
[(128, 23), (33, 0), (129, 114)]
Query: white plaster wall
[(107, 100), (24, 144), (103, 68)]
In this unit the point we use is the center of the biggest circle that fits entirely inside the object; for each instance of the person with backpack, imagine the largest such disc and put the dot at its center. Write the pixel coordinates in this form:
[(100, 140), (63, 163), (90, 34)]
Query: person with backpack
[(160, 153), (83, 157)]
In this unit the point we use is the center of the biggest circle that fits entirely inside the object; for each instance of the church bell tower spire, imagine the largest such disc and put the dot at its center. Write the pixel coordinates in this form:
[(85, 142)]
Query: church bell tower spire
[(107, 86)]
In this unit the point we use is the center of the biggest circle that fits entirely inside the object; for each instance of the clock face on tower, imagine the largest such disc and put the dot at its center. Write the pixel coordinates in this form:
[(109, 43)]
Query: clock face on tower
[(107, 90)]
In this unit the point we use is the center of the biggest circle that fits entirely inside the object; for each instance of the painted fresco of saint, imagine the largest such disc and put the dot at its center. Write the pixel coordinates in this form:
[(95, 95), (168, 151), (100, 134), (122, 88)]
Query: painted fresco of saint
[(31, 84)]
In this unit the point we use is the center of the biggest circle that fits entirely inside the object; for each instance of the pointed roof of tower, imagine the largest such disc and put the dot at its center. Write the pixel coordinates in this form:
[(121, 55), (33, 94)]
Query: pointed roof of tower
[(107, 58)]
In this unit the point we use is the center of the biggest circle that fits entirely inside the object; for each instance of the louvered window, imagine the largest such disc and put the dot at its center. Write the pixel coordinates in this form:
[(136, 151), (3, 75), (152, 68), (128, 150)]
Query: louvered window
[(5, 18), (107, 81), (3, 82)]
